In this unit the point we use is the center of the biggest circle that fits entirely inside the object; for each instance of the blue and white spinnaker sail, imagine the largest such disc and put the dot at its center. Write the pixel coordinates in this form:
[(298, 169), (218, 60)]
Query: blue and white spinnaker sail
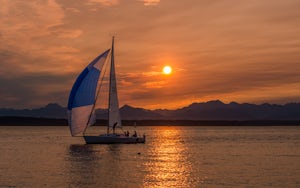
[(83, 96)]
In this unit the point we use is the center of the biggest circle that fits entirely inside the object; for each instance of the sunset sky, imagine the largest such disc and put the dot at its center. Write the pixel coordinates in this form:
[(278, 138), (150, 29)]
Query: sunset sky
[(231, 50)]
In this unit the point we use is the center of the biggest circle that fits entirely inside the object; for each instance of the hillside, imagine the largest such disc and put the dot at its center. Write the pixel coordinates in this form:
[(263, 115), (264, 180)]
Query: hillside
[(212, 110)]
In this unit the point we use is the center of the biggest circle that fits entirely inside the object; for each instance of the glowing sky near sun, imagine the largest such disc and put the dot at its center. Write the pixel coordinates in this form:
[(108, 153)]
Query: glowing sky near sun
[(243, 51)]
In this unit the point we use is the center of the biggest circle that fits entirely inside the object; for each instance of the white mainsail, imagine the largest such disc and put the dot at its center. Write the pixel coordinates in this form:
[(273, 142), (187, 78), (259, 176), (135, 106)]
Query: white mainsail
[(83, 96), (113, 106)]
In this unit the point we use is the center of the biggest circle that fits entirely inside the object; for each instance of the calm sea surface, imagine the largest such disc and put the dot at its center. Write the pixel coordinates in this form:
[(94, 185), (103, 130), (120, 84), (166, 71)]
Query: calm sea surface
[(173, 156)]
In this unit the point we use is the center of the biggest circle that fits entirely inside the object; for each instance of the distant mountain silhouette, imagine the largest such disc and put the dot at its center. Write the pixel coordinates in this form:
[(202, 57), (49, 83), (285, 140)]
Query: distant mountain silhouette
[(217, 110), (52, 110), (128, 112), (212, 110), (131, 113)]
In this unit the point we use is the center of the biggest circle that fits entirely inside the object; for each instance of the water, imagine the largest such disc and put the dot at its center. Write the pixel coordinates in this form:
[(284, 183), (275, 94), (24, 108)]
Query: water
[(172, 157)]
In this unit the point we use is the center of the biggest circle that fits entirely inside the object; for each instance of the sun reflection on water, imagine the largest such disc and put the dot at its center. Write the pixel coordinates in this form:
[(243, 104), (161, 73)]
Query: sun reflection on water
[(168, 165)]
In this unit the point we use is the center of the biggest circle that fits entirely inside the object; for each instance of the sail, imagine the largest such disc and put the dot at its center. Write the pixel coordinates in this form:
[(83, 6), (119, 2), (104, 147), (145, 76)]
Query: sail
[(83, 96), (114, 113)]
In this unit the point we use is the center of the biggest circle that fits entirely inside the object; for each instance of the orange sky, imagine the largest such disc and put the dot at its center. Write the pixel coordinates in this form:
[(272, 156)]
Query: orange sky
[(231, 50)]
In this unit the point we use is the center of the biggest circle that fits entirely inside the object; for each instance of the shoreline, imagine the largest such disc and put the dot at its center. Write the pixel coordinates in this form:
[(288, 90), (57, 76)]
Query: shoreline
[(34, 121)]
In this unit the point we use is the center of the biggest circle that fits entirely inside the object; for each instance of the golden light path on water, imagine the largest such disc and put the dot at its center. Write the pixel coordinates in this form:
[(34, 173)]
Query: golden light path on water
[(169, 166)]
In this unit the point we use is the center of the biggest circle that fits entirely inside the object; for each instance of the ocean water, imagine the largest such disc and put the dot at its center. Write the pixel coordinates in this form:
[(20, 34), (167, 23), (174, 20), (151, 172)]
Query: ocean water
[(173, 156)]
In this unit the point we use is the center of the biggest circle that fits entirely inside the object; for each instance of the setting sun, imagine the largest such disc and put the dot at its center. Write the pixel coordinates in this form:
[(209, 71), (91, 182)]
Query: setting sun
[(167, 70)]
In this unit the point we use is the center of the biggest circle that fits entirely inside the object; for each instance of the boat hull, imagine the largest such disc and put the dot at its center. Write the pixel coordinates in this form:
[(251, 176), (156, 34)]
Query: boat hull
[(113, 139)]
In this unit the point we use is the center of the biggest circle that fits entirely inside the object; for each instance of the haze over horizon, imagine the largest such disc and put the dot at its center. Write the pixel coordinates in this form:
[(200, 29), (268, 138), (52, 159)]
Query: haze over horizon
[(242, 51)]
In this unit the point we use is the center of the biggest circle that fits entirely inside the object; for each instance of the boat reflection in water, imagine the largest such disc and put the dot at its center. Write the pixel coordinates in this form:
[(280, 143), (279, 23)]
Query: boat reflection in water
[(94, 165), (83, 165)]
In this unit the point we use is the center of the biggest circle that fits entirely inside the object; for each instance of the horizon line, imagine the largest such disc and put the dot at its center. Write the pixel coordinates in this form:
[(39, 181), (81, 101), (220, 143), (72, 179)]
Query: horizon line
[(217, 100)]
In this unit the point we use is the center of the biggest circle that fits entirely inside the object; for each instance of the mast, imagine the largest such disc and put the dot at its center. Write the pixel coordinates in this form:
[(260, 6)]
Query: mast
[(110, 82), (114, 119)]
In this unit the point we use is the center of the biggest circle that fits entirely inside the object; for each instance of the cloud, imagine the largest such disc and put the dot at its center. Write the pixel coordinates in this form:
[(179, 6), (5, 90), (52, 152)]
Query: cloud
[(29, 19), (151, 2), (34, 90), (103, 2), (60, 32), (34, 53), (157, 84), (74, 10), (116, 2), (151, 79), (33, 34)]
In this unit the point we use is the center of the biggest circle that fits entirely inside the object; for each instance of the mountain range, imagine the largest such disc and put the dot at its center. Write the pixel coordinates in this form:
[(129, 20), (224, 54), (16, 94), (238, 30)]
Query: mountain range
[(212, 110)]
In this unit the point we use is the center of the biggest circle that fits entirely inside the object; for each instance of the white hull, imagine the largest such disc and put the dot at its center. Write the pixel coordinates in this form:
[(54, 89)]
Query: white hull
[(113, 139)]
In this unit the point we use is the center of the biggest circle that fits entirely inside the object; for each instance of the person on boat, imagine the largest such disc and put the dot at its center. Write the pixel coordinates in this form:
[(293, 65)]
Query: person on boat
[(114, 127), (134, 135)]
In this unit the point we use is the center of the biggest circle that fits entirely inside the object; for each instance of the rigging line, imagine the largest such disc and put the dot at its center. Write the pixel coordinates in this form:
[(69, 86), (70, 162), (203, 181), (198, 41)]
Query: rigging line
[(97, 93), (112, 60), (101, 81)]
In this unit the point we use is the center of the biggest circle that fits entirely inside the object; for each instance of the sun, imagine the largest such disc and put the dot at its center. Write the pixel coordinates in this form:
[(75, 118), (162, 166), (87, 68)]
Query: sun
[(167, 70)]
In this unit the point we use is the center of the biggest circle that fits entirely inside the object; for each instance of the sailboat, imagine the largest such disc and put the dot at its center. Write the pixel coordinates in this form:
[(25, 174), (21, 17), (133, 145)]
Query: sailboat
[(83, 98)]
